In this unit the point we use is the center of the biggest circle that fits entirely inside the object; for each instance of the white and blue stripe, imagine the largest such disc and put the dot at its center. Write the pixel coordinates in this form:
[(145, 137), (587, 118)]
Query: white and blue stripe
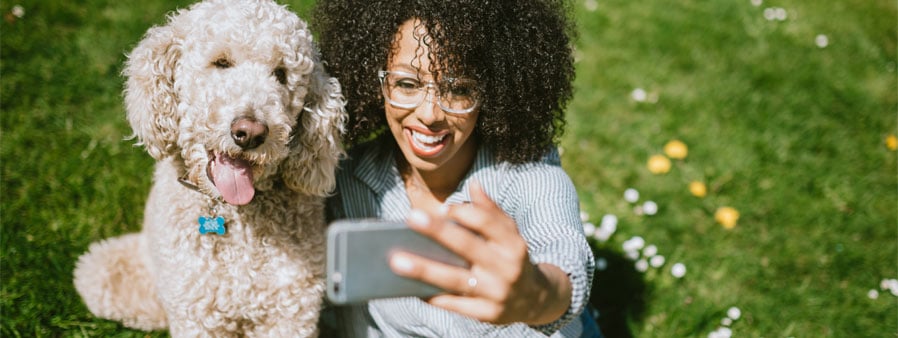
[(539, 196)]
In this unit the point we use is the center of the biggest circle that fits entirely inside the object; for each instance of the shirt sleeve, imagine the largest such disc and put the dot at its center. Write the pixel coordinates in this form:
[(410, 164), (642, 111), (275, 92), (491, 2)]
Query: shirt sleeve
[(544, 203)]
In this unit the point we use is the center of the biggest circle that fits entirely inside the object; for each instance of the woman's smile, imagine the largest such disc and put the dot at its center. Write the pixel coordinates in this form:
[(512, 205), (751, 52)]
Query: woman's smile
[(426, 143)]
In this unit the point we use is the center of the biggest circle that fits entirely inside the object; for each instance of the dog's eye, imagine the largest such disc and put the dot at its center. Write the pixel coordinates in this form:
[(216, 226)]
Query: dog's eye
[(222, 63), (281, 74)]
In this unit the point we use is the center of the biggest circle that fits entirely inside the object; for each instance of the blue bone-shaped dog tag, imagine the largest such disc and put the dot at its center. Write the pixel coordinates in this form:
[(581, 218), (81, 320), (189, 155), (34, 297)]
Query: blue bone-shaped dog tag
[(212, 225)]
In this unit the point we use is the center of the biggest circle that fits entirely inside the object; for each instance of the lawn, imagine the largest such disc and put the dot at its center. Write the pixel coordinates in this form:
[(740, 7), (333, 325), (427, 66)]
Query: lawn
[(785, 107)]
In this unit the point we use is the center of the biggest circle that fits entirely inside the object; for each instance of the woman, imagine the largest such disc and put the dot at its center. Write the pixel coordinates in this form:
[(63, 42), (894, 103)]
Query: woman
[(454, 110)]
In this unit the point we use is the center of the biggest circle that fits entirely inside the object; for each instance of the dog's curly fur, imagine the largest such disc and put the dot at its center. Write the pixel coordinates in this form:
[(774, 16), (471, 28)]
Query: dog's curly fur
[(188, 81)]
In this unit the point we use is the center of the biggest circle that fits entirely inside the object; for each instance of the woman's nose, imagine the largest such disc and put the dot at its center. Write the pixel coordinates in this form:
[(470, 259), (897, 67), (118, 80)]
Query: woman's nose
[(429, 110)]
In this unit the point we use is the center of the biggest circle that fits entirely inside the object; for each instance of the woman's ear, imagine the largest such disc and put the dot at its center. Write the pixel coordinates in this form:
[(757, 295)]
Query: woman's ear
[(317, 147), (150, 98)]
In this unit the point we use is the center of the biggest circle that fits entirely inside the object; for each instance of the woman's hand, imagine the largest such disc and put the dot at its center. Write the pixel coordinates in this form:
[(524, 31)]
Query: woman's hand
[(502, 285)]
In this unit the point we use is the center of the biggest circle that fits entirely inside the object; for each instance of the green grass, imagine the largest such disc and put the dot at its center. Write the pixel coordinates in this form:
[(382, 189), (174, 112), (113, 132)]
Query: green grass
[(790, 134)]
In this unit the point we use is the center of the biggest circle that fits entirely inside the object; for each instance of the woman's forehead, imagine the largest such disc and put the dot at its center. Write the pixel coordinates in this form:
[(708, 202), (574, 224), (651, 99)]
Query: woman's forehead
[(414, 50), (411, 52)]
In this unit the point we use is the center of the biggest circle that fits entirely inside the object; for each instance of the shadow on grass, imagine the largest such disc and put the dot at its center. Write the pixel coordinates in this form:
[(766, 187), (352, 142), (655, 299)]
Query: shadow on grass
[(618, 293)]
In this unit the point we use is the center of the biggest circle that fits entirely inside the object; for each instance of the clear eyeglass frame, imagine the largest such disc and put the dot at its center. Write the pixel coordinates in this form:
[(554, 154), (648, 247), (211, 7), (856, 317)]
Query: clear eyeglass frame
[(462, 104)]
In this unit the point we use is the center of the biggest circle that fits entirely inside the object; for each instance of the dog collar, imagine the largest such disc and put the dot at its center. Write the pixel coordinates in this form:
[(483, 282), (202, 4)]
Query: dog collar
[(213, 224)]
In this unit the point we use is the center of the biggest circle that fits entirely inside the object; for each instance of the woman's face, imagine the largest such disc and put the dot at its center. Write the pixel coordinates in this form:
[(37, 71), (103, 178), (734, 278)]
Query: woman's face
[(430, 138)]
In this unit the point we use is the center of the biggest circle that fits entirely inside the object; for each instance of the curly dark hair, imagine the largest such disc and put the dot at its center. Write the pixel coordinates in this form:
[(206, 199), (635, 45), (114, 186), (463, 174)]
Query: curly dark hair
[(520, 52)]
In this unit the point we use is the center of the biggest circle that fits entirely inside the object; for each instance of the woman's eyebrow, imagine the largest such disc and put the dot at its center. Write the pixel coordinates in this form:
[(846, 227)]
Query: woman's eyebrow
[(409, 69)]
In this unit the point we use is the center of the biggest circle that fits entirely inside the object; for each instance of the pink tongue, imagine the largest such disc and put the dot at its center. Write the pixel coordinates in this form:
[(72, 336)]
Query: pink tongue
[(234, 179)]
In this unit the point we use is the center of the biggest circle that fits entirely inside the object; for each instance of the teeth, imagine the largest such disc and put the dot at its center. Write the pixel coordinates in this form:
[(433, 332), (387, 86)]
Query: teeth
[(427, 139)]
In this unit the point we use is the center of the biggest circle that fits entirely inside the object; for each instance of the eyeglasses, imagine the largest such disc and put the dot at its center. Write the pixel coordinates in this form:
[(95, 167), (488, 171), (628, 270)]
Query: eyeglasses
[(407, 91)]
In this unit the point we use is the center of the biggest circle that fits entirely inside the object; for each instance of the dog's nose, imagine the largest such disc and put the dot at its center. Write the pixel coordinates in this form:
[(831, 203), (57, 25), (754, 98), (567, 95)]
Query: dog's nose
[(248, 133)]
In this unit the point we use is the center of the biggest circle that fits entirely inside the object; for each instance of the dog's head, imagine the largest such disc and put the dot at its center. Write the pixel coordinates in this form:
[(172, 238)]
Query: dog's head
[(236, 92)]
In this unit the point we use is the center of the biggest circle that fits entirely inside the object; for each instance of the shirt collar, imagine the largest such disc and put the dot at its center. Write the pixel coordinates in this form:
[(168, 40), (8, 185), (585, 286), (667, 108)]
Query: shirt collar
[(377, 167)]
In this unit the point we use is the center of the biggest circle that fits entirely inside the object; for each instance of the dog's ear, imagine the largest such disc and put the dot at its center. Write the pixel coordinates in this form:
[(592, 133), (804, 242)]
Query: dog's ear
[(317, 146), (150, 97)]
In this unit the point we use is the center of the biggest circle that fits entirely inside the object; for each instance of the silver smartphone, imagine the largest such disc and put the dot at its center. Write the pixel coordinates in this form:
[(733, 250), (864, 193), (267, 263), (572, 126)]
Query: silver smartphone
[(358, 267)]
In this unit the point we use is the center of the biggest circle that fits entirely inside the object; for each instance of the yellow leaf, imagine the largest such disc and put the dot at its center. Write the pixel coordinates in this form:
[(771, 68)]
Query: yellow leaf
[(892, 142), (698, 189), (676, 149), (658, 164), (727, 217)]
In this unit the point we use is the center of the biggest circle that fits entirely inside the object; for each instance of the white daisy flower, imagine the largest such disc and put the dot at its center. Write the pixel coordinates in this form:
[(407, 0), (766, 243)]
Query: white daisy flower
[(639, 94), (601, 264), (609, 221), (591, 5), (631, 195), (757, 3), (873, 294), (650, 251), (603, 233), (722, 332), (770, 13), (781, 14), (889, 284), (18, 11), (656, 261), (734, 313), (642, 265), (726, 321), (678, 270), (589, 228), (584, 216), (635, 243), (632, 255), (821, 40), (650, 208)]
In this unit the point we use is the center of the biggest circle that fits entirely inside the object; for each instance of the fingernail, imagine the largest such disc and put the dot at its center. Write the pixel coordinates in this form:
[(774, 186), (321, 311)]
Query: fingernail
[(443, 210), (401, 263), (418, 218)]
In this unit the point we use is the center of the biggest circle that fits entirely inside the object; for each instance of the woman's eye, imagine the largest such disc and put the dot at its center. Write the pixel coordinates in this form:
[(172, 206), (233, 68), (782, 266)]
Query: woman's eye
[(222, 63), (407, 84)]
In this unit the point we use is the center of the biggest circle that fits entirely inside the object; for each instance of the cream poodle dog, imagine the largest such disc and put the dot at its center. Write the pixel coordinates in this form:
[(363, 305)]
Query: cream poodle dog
[(231, 100)]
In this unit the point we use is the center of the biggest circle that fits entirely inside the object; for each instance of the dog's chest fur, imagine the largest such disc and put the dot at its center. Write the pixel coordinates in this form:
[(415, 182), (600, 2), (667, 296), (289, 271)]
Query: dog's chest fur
[(270, 259)]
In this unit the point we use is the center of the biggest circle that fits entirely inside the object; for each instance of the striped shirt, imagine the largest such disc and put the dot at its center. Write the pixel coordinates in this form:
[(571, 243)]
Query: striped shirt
[(539, 196)]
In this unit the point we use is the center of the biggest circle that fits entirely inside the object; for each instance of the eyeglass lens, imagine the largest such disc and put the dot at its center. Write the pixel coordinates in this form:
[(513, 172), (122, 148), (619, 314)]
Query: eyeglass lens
[(405, 90)]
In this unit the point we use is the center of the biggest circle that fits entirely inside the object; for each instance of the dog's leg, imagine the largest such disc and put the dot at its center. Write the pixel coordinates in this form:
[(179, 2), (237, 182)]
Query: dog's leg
[(115, 284)]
